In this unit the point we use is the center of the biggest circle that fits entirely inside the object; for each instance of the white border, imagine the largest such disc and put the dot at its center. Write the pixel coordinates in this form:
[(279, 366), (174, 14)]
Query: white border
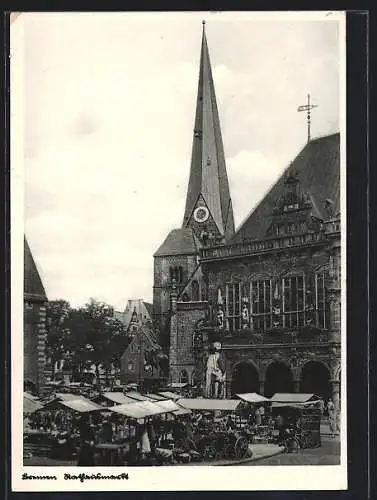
[(160, 478)]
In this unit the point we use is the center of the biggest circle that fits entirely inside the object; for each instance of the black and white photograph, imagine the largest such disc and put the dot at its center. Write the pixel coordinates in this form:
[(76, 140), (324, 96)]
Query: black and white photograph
[(177, 218)]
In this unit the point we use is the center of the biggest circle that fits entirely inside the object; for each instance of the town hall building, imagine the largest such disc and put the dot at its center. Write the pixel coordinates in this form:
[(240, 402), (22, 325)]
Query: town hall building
[(257, 308)]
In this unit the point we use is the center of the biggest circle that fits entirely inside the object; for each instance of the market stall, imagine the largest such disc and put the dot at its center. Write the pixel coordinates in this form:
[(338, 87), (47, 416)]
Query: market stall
[(215, 433), (300, 419)]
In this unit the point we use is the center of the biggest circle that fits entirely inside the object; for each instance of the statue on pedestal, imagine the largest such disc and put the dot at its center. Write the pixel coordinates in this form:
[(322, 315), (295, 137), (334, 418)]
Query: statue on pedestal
[(215, 373)]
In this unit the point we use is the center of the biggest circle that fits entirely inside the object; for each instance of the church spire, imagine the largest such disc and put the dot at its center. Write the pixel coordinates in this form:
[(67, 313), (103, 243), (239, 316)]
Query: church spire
[(208, 203)]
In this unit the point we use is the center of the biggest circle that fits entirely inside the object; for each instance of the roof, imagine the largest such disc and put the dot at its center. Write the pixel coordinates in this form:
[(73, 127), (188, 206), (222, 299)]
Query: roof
[(209, 404), (142, 310), (288, 397), (208, 177), (33, 287), (149, 308), (252, 397), (318, 170), (151, 336), (179, 242)]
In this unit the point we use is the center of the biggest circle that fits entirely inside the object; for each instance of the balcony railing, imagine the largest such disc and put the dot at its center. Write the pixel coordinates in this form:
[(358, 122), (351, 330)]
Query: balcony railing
[(260, 246), (275, 336), (193, 304)]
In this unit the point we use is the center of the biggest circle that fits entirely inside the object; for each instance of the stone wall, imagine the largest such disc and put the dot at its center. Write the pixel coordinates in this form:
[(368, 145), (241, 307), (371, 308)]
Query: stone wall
[(35, 335), (161, 289), (183, 325)]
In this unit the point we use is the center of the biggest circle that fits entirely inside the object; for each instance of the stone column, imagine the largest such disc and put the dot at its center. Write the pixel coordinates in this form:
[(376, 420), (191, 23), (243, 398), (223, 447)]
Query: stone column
[(296, 385), (228, 387), (261, 387), (335, 387)]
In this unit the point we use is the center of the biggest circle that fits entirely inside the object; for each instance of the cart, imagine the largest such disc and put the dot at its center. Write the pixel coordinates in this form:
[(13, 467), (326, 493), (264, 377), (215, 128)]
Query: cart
[(219, 445)]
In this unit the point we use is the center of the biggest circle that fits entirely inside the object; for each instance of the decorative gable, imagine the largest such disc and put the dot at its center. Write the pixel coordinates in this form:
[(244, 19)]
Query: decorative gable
[(294, 211)]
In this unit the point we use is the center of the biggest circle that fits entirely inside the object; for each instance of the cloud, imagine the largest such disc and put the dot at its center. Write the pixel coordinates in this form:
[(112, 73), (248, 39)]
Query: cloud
[(251, 174)]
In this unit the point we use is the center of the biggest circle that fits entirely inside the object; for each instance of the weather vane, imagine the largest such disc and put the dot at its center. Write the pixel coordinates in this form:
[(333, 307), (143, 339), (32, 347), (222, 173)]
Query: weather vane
[(307, 107)]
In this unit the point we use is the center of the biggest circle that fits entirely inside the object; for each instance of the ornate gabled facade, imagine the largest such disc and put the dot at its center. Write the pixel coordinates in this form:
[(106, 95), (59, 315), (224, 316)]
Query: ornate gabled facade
[(35, 301), (266, 296)]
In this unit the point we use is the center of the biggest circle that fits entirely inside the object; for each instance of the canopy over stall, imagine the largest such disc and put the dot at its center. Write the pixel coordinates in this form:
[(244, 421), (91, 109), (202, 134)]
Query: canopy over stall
[(67, 396), (157, 397), (182, 411), (139, 409), (171, 395), (210, 404), (307, 404), (293, 397), (31, 405), (82, 405), (138, 397), (253, 397), (118, 397), (169, 406), (177, 385)]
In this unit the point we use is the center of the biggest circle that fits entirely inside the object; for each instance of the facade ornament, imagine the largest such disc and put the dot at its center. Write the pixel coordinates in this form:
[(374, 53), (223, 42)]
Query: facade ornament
[(245, 314), (220, 317)]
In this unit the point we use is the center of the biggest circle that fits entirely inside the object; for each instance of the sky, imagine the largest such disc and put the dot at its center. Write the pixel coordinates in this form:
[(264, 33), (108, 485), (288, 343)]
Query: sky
[(107, 103)]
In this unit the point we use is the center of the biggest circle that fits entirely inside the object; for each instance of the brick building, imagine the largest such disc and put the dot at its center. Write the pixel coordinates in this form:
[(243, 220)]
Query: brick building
[(143, 361), (269, 293), (35, 301)]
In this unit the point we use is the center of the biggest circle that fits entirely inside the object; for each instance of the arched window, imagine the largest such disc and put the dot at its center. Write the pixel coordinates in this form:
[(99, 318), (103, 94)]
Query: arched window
[(320, 299), (261, 304), (294, 301), (195, 290)]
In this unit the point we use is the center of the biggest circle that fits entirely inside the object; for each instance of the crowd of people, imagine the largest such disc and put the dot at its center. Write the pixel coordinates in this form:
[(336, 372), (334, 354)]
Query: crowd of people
[(80, 435)]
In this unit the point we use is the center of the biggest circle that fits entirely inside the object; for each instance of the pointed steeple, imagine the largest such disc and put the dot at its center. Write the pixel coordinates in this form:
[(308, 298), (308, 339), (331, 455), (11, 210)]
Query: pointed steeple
[(208, 203)]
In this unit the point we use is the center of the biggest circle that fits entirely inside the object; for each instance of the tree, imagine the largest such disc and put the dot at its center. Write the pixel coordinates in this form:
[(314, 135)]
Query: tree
[(97, 337), (58, 332)]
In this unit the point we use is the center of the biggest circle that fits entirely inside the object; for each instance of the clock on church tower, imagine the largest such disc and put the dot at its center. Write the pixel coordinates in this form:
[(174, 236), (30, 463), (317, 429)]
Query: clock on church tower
[(201, 214)]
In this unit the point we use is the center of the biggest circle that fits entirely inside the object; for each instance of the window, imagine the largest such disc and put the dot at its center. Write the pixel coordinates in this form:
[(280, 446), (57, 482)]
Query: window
[(176, 273), (294, 301), (234, 306), (261, 304), (320, 302)]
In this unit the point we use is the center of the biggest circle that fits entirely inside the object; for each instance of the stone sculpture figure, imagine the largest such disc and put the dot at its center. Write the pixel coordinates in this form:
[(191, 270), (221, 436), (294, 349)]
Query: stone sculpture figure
[(215, 373)]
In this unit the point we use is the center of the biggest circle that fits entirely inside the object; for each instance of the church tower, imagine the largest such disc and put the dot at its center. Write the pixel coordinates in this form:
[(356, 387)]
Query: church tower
[(208, 203), (208, 218)]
